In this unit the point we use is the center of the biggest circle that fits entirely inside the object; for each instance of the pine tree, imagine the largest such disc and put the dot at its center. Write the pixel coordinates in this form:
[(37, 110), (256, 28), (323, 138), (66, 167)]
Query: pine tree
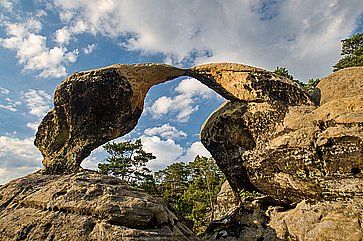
[(127, 161), (352, 52)]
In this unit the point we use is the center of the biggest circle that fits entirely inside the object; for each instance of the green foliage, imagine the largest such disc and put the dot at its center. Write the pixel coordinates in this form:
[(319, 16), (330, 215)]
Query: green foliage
[(191, 189), (352, 52), (310, 86), (283, 72), (246, 195), (127, 161)]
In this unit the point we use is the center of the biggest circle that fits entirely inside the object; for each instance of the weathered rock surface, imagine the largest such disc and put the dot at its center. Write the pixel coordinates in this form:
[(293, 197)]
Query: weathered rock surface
[(341, 84), (226, 203), (269, 137), (293, 150), (83, 206), (337, 220), (248, 222), (264, 219), (96, 106)]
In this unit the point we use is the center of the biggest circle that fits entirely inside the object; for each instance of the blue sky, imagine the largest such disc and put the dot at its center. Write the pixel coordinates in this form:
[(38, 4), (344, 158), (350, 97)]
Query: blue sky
[(41, 42)]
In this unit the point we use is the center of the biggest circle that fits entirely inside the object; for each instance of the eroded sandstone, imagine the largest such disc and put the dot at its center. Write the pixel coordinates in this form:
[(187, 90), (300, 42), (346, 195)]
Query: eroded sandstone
[(293, 151), (96, 106), (269, 137), (83, 206)]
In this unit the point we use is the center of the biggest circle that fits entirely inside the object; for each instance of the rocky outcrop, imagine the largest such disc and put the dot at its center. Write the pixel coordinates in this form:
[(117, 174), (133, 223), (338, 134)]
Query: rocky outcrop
[(269, 137), (83, 206), (266, 219), (305, 154), (341, 84), (293, 150), (337, 220), (94, 107)]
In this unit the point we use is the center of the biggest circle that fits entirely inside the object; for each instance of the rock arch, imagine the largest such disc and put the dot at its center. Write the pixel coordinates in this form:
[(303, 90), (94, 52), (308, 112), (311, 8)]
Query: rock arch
[(96, 106)]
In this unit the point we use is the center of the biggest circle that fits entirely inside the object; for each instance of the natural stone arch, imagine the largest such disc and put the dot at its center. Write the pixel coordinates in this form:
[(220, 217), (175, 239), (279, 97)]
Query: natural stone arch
[(96, 106)]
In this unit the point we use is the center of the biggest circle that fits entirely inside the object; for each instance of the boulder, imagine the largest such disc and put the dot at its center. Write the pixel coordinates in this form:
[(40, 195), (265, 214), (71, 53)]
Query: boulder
[(326, 220), (83, 206), (265, 219), (293, 150), (344, 83)]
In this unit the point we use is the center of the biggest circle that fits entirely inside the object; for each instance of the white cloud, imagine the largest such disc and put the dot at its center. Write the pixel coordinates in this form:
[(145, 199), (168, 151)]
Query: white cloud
[(31, 49), (166, 152), (90, 162), (38, 103), (165, 131), (62, 36), (89, 49), (196, 149), (17, 157), (301, 35), (10, 104), (184, 104), (192, 87)]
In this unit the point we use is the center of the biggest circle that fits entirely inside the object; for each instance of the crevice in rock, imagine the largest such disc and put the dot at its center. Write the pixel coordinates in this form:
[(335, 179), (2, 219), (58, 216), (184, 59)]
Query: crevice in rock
[(24, 232), (9, 201)]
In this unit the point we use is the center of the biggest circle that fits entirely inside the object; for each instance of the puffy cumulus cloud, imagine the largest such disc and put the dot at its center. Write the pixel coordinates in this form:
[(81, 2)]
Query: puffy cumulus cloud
[(196, 149), (89, 49), (304, 36), (166, 151), (165, 131), (32, 51), (183, 105), (17, 157), (62, 36), (38, 103)]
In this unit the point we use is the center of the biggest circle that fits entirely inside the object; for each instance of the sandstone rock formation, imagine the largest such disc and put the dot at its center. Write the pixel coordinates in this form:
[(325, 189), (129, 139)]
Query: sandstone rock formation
[(270, 137), (293, 150), (337, 220), (304, 153), (83, 206), (94, 107), (265, 219), (227, 201)]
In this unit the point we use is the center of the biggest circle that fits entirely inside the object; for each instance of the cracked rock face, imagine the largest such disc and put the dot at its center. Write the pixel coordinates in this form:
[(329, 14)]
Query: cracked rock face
[(293, 150), (83, 206)]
